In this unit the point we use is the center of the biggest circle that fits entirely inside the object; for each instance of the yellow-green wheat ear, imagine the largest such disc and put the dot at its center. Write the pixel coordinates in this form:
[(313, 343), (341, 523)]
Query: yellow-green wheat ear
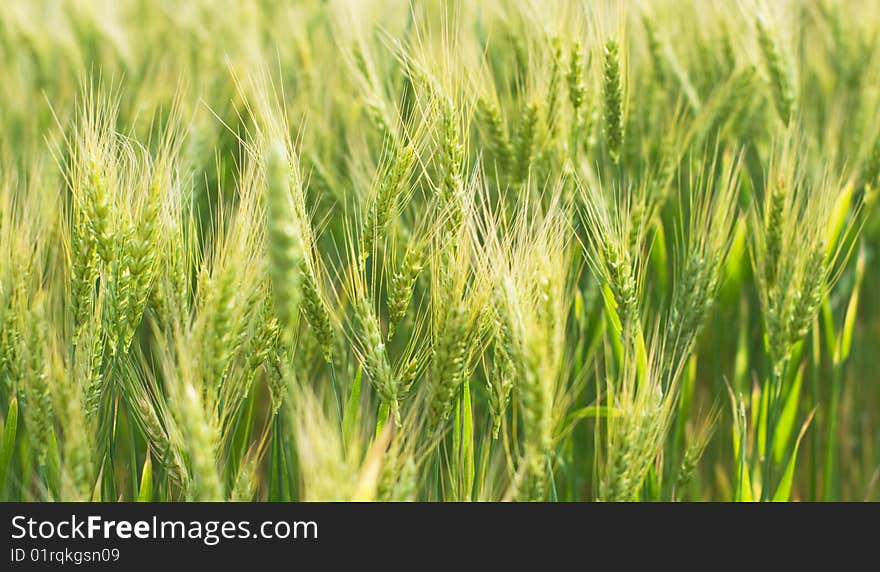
[(282, 237)]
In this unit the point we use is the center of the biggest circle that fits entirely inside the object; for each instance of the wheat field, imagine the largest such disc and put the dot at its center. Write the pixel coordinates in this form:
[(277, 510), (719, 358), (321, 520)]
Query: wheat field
[(423, 250)]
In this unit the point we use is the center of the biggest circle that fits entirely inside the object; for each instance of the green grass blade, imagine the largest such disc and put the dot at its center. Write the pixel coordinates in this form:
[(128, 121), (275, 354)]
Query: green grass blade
[(783, 491), (351, 415), (852, 308), (145, 493), (467, 437), (786, 423), (7, 443)]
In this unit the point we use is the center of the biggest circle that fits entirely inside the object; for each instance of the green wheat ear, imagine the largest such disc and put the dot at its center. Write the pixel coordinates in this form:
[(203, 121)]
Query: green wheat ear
[(525, 141), (612, 92), (403, 281), (283, 240), (498, 139), (781, 70)]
